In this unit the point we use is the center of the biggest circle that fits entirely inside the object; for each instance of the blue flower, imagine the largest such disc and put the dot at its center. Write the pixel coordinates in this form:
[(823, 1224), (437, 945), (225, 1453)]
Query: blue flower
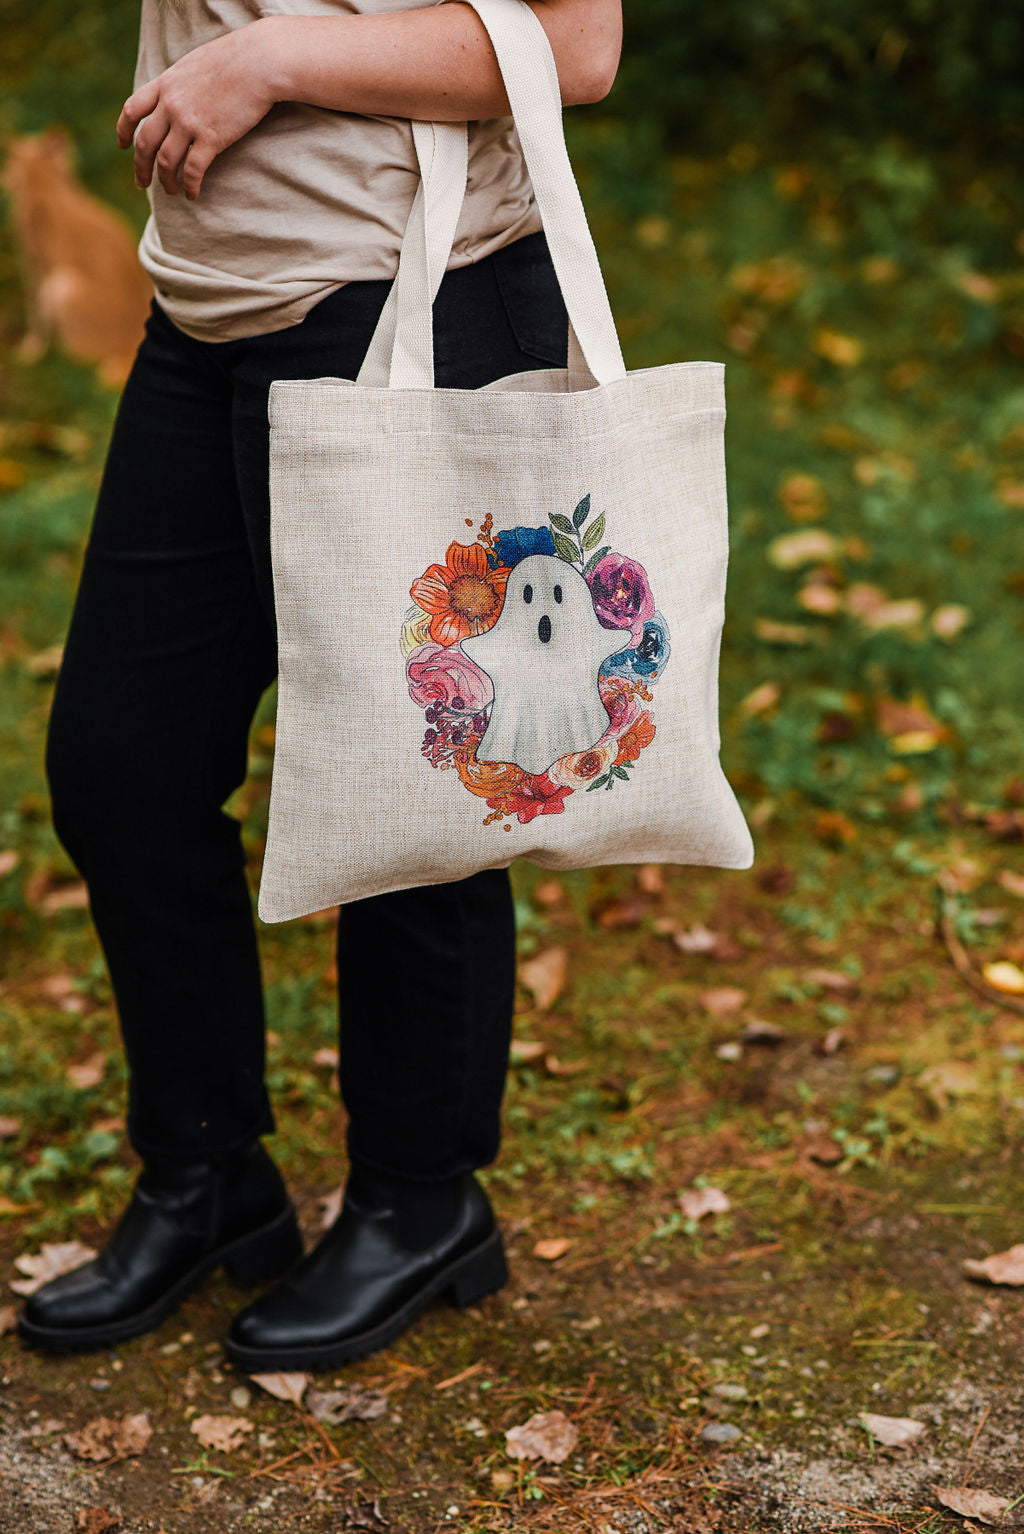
[(646, 660), (515, 543)]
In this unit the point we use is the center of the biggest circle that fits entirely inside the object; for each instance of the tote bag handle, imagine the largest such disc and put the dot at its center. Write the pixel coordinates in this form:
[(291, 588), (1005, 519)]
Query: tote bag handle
[(401, 352)]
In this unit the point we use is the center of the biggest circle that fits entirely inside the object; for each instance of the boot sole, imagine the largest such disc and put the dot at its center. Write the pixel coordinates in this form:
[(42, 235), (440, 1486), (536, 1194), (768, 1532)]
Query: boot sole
[(258, 1257), (477, 1273)]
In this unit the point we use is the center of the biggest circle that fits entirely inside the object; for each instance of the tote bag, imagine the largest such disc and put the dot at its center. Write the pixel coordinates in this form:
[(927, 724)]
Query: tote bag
[(499, 610)]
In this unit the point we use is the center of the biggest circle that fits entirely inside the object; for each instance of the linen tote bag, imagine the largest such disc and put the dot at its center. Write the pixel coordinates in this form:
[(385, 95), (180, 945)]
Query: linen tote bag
[(499, 610)]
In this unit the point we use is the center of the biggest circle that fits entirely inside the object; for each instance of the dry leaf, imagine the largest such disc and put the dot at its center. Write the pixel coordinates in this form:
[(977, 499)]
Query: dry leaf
[(548, 893), (787, 633), (286, 1387), (844, 351), (619, 915), (831, 980), (823, 1149), (55, 892), (548, 1435), (896, 614), (761, 699), (96, 1520), (697, 1202), (8, 1319), (950, 1078), (544, 975), (803, 497), (819, 598), (831, 1041), (8, 863), (550, 1248), (760, 1031), (1012, 883), (556, 1067), (89, 1073), (111, 1438), (1000, 1268), (526, 1051), (970, 1502), (894, 1432), (1004, 976), (812, 545), (356, 1403), (950, 620), (50, 1261), (651, 879), (723, 1000), (221, 1432), (330, 1207), (328, 1057), (9, 1127)]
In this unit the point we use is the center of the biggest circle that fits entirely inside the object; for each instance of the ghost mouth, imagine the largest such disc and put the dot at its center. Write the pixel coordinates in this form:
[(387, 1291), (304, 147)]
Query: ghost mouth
[(544, 629), (472, 598)]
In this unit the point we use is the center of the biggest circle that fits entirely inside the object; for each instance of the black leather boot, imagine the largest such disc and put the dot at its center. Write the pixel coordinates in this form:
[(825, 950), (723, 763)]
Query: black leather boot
[(181, 1222), (394, 1247)]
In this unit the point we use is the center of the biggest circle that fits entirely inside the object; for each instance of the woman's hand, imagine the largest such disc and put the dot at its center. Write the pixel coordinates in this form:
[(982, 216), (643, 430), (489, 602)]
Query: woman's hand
[(192, 111)]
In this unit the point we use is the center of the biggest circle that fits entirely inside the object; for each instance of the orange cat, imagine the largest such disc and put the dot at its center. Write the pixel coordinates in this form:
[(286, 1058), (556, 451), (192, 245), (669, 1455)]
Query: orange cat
[(84, 287)]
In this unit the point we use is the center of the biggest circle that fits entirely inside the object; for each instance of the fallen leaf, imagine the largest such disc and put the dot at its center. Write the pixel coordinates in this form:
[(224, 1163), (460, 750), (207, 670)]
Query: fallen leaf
[(45, 662), (549, 892), (971, 1502), (545, 975), (901, 614), (96, 1520), (999, 1268), (950, 620), (55, 892), (697, 1202), (328, 1057), (894, 1432), (898, 718), (354, 1404), (286, 1387), (831, 1041), (550, 1248), (651, 879), (811, 545), (835, 829), (526, 1051), (620, 915), (216, 1431), (89, 1073), (363, 1515), (556, 1067), (330, 1207), (695, 939), (760, 1031), (8, 1319), (862, 597), (50, 1261), (823, 1149), (803, 497), (9, 861), (1004, 976), (842, 350), (787, 633), (9, 1127), (948, 1078), (1012, 883), (819, 598), (111, 1438), (8, 1207), (723, 1000), (831, 980), (761, 699), (547, 1435)]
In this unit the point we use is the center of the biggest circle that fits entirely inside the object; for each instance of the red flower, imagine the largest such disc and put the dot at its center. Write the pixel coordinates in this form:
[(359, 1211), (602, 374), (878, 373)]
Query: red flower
[(463, 596), (535, 796), (633, 740)]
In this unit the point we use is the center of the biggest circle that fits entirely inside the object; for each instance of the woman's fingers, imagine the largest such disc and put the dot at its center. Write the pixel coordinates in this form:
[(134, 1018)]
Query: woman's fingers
[(169, 158), (148, 141), (139, 105)]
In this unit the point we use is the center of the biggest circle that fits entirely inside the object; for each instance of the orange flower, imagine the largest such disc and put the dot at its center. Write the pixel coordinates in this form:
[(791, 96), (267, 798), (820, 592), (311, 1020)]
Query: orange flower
[(633, 740), (488, 779), (463, 596)]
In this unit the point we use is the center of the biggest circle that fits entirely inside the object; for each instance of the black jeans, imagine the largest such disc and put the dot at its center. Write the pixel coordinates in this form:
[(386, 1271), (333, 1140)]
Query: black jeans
[(170, 646)]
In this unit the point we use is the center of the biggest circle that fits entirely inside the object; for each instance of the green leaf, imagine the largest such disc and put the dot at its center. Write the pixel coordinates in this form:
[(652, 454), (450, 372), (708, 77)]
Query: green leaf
[(598, 554), (619, 773), (597, 782), (557, 520), (594, 533), (566, 550), (582, 511)]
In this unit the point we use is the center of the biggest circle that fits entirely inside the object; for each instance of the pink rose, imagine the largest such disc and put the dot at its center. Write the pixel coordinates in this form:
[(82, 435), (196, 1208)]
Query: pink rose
[(440, 676)]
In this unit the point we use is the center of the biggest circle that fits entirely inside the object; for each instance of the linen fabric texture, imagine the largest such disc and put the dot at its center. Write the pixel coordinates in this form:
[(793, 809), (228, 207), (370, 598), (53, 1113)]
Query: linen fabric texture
[(499, 610)]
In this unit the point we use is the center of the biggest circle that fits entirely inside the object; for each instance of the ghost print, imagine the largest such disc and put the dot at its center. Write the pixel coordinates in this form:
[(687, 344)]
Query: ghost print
[(543, 656)]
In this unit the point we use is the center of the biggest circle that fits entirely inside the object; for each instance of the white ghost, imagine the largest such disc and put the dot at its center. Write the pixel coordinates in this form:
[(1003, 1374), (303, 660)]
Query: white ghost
[(543, 656)]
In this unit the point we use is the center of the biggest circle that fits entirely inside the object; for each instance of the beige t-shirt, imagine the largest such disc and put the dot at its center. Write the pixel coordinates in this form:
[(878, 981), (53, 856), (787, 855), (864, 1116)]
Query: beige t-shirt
[(308, 199)]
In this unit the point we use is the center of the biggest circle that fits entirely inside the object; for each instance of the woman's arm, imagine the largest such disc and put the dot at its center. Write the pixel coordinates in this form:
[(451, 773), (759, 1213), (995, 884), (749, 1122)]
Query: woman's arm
[(434, 63)]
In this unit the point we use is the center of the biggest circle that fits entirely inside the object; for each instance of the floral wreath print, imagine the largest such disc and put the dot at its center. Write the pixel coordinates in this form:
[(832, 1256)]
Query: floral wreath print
[(533, 652)]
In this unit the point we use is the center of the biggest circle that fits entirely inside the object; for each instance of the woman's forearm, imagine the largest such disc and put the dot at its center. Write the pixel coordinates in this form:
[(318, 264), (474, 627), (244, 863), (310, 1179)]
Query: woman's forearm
[(435, 62)]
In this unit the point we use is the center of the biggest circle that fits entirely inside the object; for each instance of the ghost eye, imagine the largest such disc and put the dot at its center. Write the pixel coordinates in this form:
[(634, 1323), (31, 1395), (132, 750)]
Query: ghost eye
[(527, 593), (557, 593)]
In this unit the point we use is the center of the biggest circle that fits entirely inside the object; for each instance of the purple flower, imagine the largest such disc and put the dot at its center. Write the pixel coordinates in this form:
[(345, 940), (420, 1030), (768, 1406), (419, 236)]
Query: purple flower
[(622, 594)]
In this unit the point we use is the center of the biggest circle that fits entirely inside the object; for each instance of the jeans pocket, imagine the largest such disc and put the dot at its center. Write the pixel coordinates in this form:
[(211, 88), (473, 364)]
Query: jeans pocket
[(532, 298)]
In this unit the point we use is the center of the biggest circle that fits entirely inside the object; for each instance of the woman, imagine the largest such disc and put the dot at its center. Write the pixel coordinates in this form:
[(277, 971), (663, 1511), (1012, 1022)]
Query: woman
[(278, 155)]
